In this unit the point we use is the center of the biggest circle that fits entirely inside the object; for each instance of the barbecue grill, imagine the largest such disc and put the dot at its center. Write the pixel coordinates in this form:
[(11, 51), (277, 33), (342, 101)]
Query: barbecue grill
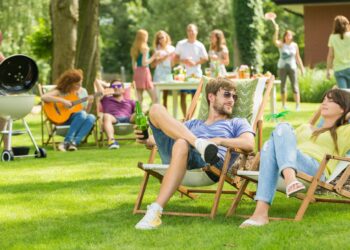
[(18, 75)]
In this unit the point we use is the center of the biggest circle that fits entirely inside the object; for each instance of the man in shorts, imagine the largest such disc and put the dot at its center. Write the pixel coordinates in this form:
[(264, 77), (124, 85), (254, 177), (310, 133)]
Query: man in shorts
[(116, 109), (195, 143)]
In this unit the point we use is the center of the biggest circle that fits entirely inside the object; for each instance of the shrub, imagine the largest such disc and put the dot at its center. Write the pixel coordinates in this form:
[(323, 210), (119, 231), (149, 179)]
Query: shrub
[(313, 85)]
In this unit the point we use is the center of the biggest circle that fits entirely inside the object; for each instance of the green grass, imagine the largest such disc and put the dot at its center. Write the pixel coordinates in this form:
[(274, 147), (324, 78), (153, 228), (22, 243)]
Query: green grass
[(84, 200)]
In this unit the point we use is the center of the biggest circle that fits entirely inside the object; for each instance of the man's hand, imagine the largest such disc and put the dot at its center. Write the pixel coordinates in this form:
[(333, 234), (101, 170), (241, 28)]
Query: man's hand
[(139, 138), (189, 62), (90, 99)]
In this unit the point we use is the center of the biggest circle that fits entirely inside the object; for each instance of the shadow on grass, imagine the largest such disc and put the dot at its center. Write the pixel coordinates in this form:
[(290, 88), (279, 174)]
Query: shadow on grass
[(57, 185)]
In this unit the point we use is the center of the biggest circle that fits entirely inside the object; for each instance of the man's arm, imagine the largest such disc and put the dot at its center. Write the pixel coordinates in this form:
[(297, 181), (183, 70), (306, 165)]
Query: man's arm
[(245, 142)]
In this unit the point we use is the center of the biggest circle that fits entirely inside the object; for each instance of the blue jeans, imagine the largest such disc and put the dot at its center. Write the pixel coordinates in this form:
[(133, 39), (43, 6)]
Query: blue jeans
[(81, 124), (343, 78), (278, 153), (165, 147)]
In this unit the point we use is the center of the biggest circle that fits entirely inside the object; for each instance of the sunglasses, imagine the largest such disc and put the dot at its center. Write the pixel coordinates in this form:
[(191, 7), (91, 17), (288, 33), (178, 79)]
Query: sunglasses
[(161, 38), (229, 95), (116, 86)]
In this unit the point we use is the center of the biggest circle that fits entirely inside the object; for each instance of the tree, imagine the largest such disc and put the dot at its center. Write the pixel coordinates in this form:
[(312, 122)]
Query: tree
[(249, 28), (64, 16), (87, 56)]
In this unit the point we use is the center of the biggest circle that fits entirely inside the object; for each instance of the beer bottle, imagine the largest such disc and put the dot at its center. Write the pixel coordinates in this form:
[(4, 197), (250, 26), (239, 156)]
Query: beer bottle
[(141, 121)]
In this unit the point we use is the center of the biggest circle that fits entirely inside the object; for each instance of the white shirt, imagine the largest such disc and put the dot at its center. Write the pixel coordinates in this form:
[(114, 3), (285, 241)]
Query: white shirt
[(194, 51)]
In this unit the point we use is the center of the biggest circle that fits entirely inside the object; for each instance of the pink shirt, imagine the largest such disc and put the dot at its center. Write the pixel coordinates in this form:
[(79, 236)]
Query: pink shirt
[(124, 108)]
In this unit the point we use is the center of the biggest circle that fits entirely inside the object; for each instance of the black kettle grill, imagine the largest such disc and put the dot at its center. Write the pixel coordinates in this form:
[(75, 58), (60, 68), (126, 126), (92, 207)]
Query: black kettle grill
[(18, 75)]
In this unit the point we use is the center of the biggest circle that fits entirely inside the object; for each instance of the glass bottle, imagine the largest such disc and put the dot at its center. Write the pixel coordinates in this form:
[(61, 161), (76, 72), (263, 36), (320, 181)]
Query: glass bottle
[(141, 121)]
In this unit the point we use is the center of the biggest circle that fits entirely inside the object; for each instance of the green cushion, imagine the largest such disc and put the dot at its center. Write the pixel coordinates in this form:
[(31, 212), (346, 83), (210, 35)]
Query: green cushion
[(245, 89)]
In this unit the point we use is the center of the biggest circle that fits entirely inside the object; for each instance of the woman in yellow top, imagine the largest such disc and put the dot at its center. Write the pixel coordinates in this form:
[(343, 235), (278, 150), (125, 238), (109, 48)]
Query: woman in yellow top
[(339, 52), (288, 151)]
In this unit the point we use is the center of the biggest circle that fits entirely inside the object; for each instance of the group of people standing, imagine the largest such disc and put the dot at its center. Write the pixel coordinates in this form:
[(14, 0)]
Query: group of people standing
[(189, 52)]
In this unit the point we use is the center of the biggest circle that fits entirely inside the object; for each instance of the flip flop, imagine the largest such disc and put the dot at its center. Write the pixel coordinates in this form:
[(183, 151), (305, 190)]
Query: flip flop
[(295, 191), (251, 223)]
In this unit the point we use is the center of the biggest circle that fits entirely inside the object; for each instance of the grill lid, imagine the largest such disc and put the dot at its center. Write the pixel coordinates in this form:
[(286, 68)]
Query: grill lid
[(18, 74)]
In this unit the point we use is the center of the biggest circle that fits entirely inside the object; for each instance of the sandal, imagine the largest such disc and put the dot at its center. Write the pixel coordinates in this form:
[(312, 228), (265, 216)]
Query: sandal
[(252, 223), (292, 192)]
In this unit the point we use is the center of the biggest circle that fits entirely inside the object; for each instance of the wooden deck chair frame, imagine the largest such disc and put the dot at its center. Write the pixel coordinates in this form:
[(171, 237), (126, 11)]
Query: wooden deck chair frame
[(257, 126), (311, 182), (52, 129)]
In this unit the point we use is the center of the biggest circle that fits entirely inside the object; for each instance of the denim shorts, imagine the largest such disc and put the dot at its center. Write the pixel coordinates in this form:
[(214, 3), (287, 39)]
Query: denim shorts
[(165, 146), (123, 119)]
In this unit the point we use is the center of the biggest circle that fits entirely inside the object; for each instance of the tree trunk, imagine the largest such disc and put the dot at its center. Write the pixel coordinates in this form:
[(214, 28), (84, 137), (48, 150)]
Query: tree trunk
[(88, 57), (64, 15)]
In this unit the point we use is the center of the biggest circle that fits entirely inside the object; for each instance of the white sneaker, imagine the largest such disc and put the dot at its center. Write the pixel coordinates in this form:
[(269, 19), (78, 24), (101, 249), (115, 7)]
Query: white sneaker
[(297, 108), (208, 150), (63, 146), (151, 220)]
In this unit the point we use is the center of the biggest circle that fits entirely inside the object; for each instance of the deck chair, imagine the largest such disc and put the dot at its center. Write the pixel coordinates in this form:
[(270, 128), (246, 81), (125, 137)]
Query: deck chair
[(342, 171), (49, 130), (254, 90), (122, 131)]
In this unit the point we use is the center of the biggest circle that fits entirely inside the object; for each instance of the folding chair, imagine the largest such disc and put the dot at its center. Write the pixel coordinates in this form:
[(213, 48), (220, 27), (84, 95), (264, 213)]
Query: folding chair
[(120, 129), (199, 177), (342, 171), (52, 129)]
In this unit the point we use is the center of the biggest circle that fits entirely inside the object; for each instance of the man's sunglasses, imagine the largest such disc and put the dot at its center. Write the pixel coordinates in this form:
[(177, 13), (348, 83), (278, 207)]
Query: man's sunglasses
[(116, 85), (229, 95)]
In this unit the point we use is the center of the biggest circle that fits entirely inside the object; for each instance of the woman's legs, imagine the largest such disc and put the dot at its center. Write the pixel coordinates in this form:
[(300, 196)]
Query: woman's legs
[(293, 77), (283, 76), (75, 121), (85, 128), (165, 98), (279, 155), (139, 93), (153, 94)]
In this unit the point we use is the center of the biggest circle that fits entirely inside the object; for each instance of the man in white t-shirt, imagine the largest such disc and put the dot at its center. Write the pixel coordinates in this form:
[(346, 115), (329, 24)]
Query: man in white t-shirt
[(192, 54)]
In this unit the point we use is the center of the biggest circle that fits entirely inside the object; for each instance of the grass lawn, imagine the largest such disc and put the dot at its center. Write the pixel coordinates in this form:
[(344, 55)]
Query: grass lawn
[(84, 200)]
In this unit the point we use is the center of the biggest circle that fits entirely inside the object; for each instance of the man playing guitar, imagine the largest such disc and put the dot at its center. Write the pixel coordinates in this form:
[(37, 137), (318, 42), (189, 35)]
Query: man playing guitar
[(63, 98)]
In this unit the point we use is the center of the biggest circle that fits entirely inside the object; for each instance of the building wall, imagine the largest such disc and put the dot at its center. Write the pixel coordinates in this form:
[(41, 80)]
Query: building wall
[(318, 21)]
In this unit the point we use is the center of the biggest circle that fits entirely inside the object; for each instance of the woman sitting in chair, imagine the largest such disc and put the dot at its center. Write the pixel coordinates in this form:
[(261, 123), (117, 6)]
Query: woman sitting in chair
[(288, 151), (69, 88)]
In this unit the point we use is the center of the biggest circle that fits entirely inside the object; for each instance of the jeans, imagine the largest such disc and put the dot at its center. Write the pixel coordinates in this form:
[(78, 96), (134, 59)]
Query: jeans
[(278, 153), (81, 124), (343, 78), (165, 147)]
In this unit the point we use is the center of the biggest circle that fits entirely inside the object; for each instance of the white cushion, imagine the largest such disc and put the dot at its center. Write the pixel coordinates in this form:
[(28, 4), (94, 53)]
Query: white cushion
[(192, 178)]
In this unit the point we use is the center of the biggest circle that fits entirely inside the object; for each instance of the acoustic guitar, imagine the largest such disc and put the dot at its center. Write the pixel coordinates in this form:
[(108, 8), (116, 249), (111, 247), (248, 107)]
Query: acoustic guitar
[(57, 113)]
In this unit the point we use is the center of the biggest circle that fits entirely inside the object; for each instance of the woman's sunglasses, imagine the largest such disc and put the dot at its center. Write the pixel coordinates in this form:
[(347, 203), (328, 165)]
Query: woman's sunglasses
[(229, 95)]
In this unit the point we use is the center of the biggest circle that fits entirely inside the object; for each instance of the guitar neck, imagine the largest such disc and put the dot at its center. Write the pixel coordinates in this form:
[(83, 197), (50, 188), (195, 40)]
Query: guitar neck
[(76, 102), (84, 99)]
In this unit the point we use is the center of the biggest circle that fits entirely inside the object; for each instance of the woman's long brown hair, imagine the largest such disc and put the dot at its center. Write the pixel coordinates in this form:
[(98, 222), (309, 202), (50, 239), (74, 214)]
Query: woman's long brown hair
[(342, 98), (220, 40), (340, 26), (65, 83)]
